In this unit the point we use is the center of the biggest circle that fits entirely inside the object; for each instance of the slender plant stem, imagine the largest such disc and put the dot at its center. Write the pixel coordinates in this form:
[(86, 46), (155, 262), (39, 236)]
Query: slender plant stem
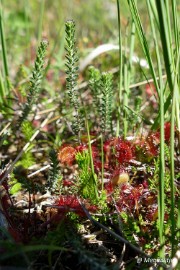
[(127, 76), (91, 159), (4, 52), (102, 162), (161, 174), (72, 74), (168, 92), (172, 213), (126, 90), (2, 89), (175, 26), (172, 167), (120, 69), (162, 159), (142, 39)]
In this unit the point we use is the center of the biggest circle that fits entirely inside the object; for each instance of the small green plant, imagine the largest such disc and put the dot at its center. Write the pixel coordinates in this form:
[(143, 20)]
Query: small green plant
[(94, 85), (35, 82), (106, 103), (54, 182), (27, 130), (27, 159), (15, 186), (72, 74), (88, 187)]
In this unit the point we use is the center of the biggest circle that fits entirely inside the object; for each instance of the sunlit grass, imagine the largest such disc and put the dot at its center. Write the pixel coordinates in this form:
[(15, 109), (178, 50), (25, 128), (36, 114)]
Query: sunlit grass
[(160, 19)]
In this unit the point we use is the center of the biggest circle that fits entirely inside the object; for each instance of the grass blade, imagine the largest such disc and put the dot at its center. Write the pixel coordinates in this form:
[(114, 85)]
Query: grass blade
[(4, 52)]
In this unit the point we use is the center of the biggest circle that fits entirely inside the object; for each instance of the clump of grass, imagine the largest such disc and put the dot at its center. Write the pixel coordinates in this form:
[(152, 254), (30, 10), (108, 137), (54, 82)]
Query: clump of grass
[(160, 18)]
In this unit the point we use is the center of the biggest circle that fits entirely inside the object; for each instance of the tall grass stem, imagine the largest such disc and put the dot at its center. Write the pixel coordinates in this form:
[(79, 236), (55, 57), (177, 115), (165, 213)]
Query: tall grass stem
[(102, 162), (120, 69), (172, 165), (161, 196), (4, 52), (91, 159), (127, 75)]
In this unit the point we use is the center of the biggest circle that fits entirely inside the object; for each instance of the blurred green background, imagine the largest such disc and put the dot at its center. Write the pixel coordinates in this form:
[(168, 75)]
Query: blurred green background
[(26, 22)]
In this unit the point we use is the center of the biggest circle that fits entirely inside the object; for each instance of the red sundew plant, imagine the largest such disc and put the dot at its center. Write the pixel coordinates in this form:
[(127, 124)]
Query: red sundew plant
[(118, 154), (123, 151), (167, 132), (147, 148), (130, 197), (152, 145), (109, 188), (70, 203), (118, 150), (97, 165), (66, 154)]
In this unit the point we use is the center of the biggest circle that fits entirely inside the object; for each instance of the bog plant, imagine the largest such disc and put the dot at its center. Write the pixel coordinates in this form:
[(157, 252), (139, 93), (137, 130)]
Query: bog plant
[(72, 74), (127, 182), (35, 82), (106, 102), (87, 181), (160, 18), (54, 182), (94, 85)]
